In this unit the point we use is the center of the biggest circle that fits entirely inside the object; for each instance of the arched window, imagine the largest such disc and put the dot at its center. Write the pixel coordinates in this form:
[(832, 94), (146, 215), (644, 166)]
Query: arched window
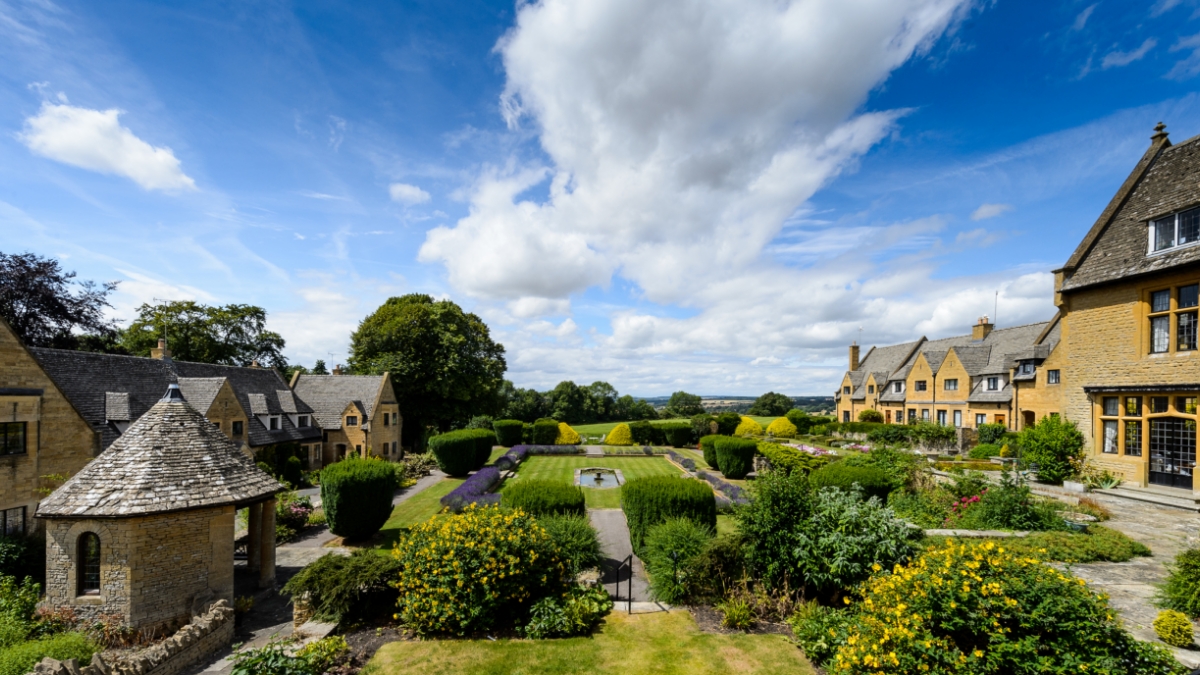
[(89, 564)]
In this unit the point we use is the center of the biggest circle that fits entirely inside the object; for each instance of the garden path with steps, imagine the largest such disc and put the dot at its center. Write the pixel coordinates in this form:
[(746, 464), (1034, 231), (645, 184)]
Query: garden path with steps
[(1131, 585), (616, 546), (271, 617)]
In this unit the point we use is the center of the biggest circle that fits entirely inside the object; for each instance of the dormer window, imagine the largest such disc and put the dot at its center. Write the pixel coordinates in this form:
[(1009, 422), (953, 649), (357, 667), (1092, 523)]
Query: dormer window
[(870, 389), (351, 420), (274, 424), (1027, 367), (303, 422), (899, 387), (1175, 230)]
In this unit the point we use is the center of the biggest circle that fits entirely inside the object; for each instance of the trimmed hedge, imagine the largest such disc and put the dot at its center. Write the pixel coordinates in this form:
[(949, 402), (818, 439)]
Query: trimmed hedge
[(735, 456), (727, 423), (485, 440), (677, 434), (356, 495), (457, 452), (620, 435), (545, 431), (782, 428), (645, 433), (984, 451), (708, 446), (748, 427), (567, 435), (651, 500), (874, 482), (543, 497), (801, 419), (508, 432)]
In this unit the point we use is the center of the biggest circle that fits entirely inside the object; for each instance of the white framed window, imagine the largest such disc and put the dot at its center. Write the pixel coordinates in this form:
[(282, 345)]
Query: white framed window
[(957, 419), (925, 414), (950, 385), (1175, 230), (899, 387), (980, 419), (1110, 437), (993, 384)]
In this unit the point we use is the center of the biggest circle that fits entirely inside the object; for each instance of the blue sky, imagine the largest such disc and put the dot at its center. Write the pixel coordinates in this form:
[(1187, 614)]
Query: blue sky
[(715, 196)]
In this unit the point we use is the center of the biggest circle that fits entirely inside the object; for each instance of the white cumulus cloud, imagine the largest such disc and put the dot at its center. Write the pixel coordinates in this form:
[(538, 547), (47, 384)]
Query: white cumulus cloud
[(1116, 58), (986, 211), (96, 140), (407, 194)]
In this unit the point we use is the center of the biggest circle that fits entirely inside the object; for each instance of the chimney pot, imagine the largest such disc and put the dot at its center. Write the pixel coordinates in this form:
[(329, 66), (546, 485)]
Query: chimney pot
[(160, 352), (854, 356), (982, 328)]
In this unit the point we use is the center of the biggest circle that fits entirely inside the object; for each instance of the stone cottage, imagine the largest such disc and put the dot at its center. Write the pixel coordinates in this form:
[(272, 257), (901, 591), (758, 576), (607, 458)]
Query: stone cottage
[(358, 414), (146, 530)]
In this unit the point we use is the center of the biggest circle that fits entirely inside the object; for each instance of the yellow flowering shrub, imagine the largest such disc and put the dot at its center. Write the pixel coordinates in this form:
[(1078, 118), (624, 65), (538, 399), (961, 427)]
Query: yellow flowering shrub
[(1174, 628), (748, 427), (620, 435), (781, 428), (567, 435), (475, 570), (976, 608)]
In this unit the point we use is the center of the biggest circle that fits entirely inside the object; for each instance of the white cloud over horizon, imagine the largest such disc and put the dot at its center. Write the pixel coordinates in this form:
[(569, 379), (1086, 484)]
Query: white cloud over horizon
[(96, 140), (407, 194), (986, 211)]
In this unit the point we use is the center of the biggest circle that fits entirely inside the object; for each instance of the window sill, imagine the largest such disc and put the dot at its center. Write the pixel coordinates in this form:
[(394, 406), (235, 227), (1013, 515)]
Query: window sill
[(89, 599)]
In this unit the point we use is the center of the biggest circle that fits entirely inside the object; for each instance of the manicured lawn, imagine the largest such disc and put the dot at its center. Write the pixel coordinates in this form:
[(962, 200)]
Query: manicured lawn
[(562, 468), (695, 455), (726, 525), (662, 643), (417, 509)]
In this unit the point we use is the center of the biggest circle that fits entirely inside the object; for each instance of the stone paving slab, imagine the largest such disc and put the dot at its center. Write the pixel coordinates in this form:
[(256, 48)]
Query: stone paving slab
[(615, 546)]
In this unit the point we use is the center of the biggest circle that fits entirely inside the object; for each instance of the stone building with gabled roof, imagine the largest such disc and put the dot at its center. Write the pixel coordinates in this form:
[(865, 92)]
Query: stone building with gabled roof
[(358, 414), (146, 530), (1129, 298)]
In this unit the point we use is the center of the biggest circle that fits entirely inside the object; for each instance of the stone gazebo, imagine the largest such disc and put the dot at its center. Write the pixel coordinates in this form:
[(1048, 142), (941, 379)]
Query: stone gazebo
[(146, 530)]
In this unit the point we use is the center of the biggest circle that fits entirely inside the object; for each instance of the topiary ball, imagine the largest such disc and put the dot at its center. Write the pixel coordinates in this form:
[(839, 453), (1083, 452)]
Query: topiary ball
[(567, 435), (1174, 628), (356, 495), (748, 427), (781, 428), (620, 435)]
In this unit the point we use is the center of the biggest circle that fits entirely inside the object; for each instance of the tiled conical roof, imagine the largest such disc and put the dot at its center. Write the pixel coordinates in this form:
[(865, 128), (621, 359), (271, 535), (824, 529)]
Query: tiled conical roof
[(170, 459)]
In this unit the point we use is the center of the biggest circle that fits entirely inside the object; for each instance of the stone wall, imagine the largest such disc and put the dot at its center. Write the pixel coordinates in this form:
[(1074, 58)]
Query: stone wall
[(207, 634), (154, 569), (225, 410), (58, 440)]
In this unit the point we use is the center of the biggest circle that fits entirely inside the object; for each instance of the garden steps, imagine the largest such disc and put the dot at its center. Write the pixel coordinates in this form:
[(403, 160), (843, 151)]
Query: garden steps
[(1152, 495)]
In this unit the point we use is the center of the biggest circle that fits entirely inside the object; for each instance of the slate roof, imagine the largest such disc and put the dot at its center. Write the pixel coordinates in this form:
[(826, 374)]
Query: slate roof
[(979, 394), (87, 379), (330, 394), (1166, 180), (171, 459)]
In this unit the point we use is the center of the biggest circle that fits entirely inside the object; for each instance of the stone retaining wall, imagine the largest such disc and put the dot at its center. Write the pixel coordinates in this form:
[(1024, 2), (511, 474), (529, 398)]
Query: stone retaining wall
[(206, 634)]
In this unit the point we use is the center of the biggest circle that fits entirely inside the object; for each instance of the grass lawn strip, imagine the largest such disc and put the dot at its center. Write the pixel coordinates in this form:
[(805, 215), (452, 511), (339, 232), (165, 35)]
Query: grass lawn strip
[(561, 468), (694, 455), (417, 509), (661, 643)]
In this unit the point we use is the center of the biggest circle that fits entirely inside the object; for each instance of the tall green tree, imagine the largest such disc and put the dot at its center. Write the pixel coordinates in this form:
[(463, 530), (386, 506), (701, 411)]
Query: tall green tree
[(47, 307), (770, 404), (232, 335), (444, 364), (683, 404)]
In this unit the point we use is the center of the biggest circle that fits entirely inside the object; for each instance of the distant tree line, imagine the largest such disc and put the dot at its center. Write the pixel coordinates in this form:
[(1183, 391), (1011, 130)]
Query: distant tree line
[(573, 404)]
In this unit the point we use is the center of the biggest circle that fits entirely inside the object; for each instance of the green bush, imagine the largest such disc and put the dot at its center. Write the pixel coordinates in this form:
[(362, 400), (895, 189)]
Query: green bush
[(272, 658), (1013, 614), (718, 567), (677, 434), (873, 481), (788, 459), (577, 542), (845, 539), (356, 495), (545, 431), (293, 471), (543, 497), (702, 425), (645, 433), (578, 613), (770, 526), (21, 658), (870, 415), (1099, 544), (984, 451), (901, 467), (735, 456), (508, 432), (727, 423), (350, 588), (991, 433), (671, 578), (651, 500), (23, 556), (1174, 628), (476, 570), (801, 419), (891, 434), (13, 630), (1009, 506), (933, 436), (457, 452), (19, 598), (708, 447), (1181, 590), (1056, 446), (485, 441), (817, 629)]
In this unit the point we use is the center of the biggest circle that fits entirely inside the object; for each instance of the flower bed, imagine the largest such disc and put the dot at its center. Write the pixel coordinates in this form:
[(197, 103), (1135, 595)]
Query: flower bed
[(551, 449), (732, 493), (635, 451), (812, 450), (474, 490), (512, 458), (682, 461)]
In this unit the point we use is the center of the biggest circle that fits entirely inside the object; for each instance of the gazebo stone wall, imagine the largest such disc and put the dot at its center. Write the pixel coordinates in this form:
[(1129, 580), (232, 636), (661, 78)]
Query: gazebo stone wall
[(156, 570)]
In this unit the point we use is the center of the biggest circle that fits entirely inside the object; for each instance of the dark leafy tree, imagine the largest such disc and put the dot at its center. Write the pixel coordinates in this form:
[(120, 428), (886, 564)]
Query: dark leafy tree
[(319, 368), (683, 404), (770, 404), (629, 408), (444, 364), (234, 335), (39, 300)]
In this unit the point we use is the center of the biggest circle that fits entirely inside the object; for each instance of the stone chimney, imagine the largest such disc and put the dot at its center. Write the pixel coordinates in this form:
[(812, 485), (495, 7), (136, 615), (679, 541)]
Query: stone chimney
[(982, 328), (337, 370), (254, 364), (854, 356), (160, 352)]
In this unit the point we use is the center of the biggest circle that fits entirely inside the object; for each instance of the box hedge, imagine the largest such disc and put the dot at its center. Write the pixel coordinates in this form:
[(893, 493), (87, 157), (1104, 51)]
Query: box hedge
[(567, 435), (735, 456), (645, 433), (485, 440), (727, 423), (508, 432), (543, 497), (677, 434), (545, 431), (356, 495), (708, 446), (620, 435), (782, 428), (748, 427), (874, 482), (457, 452), (651, 500)]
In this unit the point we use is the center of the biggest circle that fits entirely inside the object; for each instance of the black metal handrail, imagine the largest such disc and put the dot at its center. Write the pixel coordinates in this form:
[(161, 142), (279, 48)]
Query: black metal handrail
[(627, 562)]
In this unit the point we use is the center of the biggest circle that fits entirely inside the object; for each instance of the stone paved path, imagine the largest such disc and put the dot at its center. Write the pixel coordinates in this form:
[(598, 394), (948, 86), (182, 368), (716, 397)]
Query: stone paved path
[(593, 450), (616, 547), (1131, 585)]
